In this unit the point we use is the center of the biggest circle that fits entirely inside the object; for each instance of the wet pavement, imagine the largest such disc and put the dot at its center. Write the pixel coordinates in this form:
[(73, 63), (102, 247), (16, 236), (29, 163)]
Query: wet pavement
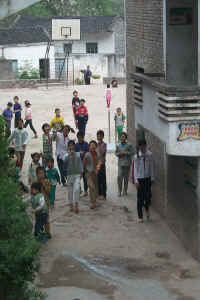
[(98, 278)]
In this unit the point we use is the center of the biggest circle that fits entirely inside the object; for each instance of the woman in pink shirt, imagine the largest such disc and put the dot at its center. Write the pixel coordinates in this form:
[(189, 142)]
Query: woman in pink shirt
[(28, 117)]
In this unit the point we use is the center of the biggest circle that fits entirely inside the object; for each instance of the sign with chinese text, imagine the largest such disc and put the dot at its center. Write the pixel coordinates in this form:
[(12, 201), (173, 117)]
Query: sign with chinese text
[(189, 130)]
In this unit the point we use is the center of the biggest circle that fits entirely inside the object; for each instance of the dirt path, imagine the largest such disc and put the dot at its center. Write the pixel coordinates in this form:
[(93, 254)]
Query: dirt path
[(105, 254)]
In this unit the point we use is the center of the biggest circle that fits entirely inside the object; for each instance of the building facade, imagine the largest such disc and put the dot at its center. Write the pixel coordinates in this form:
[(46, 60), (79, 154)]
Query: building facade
[(163, 100), (102, 46)]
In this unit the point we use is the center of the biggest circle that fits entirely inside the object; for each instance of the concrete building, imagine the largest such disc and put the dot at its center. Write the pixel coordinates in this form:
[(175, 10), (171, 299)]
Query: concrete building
[(101, 45), (163, 99)]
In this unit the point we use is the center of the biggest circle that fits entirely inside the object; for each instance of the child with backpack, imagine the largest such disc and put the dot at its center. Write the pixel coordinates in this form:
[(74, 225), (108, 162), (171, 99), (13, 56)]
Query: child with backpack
[(119, 121)]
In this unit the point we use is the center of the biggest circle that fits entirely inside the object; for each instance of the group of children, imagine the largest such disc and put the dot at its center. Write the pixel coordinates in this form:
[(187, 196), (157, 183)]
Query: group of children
[(17, 111), (76, 161)]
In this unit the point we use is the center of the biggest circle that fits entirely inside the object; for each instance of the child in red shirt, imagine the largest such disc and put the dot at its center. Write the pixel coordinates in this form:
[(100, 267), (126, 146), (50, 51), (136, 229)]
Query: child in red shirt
[(82, 116)]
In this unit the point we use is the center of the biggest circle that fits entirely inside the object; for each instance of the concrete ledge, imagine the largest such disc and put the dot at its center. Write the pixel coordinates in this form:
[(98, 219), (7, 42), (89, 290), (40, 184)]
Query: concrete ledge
[(26, 83), (107, 80), (161, 84)]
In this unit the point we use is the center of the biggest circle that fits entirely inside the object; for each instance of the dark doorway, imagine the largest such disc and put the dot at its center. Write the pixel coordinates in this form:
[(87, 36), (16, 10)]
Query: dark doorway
[(44, 68)]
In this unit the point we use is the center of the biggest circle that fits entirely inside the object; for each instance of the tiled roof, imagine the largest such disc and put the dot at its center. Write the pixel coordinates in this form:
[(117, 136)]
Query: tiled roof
[(28, 29), (88, 24), (24, 35)]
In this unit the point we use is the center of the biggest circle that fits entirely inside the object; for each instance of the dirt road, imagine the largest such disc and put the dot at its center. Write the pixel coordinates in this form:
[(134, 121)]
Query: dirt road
[(105, 254)]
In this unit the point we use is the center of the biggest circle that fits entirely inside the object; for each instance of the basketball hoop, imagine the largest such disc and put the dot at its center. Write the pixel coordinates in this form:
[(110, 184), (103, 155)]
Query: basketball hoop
[(66, 32), (65, 29)]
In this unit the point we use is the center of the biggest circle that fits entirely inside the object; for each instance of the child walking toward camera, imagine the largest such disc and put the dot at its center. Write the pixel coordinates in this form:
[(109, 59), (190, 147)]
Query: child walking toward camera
[(8, 115), (32, 176), (119, 122), (53, 176), (82, 116), (20, 138), (57, 122), (74, 173), (101, 150), (124, 152), (82, 147), (45, 184), (28, 117), (143, 175), (39, 209), (91, 165), (62, 139), (17, 109), (46, 144)]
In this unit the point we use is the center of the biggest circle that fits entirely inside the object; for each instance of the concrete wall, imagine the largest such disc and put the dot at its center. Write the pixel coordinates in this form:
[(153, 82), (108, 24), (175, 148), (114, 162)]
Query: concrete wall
[(182, 47), (6, 70), (148, 114), (144, 37), (182, 206), (30, 55), (8, 7)]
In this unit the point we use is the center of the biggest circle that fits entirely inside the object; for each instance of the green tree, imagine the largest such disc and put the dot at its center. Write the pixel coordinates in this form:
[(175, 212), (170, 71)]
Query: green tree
[(18, 249), (76, 8)]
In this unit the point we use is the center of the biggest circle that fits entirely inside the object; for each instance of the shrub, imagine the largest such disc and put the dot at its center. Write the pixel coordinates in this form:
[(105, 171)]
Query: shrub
[(95, 76), (28, 72), (19, 258), (79, 81)]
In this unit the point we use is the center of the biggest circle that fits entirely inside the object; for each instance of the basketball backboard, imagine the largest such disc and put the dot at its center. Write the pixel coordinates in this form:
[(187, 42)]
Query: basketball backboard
[(65, 29)]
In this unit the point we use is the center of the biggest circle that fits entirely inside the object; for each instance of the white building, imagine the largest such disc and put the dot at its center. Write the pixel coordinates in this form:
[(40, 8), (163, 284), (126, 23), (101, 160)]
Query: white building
[(101, 45)]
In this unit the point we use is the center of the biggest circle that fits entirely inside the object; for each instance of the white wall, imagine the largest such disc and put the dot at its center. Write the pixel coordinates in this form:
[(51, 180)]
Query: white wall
[(168, 132), (148, 115), (98, 65), (31, 54), (105, 41)]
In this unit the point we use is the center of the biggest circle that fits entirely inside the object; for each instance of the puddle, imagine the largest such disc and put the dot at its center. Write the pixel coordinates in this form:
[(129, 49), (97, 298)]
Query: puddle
[(103, 276)]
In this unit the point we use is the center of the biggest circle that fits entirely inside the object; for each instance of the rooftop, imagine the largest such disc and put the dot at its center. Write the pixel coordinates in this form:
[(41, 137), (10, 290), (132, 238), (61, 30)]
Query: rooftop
[(29, 29)]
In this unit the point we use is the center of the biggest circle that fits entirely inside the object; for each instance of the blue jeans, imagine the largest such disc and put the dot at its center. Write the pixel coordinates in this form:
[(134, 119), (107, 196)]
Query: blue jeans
[(40, 221)]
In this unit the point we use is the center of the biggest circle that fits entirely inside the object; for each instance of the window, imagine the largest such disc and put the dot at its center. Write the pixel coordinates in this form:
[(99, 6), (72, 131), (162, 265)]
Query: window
[(91, 48), (60, 68), (67, 48), (15, 66)]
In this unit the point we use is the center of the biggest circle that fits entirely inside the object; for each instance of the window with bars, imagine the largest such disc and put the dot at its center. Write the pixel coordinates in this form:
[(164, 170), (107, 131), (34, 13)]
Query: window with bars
[(67, 48), (91, 48)]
